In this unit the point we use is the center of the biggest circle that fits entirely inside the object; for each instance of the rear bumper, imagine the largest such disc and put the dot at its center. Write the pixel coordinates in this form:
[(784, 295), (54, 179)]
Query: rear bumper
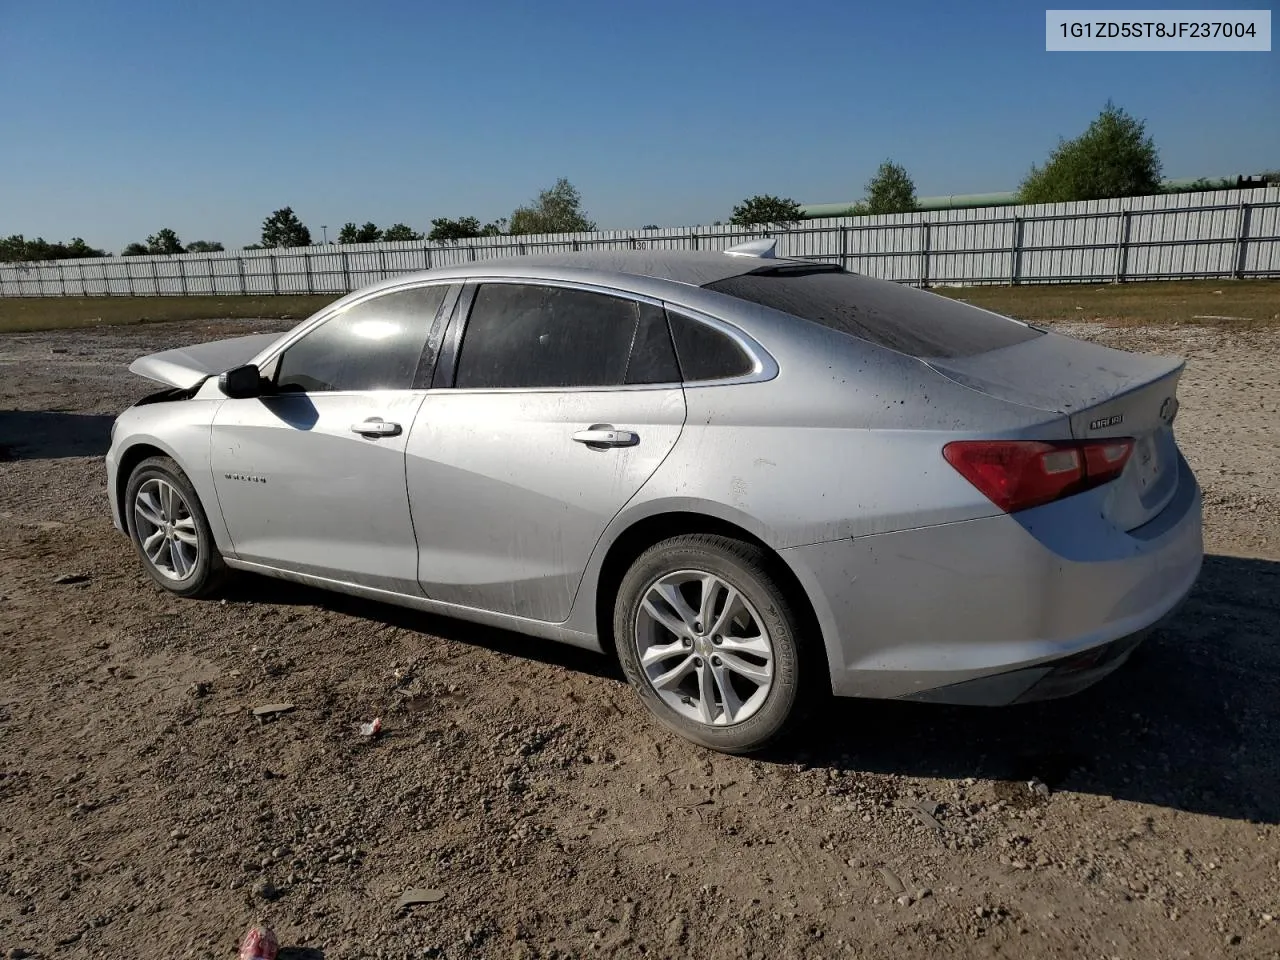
[(1048, 681), (992, 611)]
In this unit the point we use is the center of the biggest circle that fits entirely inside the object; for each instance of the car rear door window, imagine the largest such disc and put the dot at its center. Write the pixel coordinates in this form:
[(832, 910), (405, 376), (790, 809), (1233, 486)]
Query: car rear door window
[(653, 357), (706, 353), (376, 344), (523, 335), (891, 315)]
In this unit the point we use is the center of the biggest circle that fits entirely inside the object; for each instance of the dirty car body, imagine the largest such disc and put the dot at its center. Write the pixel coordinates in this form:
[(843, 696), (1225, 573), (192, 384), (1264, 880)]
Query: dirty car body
[(963, 508)]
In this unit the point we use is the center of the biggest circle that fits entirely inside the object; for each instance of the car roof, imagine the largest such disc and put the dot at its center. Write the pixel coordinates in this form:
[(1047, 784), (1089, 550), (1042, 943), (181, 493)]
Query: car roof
[(692, 267)]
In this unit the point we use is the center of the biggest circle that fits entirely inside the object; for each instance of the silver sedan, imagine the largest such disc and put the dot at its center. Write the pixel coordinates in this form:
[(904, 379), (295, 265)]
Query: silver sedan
[(756, 480)]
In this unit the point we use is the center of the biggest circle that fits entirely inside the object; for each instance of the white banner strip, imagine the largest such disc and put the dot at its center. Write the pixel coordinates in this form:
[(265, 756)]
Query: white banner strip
[(1194, 31)]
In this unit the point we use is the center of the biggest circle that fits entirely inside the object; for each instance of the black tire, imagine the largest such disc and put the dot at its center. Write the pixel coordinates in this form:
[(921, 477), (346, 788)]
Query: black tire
[(208, 572), (749, 570)]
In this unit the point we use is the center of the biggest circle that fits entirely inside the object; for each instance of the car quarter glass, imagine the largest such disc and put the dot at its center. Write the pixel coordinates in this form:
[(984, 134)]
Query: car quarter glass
[(376, 344), (706, 353)]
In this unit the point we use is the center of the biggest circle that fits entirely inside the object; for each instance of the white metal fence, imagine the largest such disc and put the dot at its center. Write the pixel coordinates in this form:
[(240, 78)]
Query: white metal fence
[(1229, 233)]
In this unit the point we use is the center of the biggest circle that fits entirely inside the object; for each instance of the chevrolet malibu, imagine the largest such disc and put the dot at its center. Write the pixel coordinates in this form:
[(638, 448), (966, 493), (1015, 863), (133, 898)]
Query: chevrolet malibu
[(755, 480)]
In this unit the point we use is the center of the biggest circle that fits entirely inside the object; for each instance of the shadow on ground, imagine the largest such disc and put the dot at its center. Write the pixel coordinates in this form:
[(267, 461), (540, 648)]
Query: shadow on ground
[(51, 434), (1189, 723), (256, 589)]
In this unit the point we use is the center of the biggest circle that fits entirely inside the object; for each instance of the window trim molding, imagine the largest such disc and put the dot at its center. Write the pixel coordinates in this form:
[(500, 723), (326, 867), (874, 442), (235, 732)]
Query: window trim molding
[(764, 367)]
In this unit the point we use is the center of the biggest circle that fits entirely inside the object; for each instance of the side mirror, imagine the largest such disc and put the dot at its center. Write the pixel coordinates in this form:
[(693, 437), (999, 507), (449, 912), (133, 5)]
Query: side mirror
[(240, 383)]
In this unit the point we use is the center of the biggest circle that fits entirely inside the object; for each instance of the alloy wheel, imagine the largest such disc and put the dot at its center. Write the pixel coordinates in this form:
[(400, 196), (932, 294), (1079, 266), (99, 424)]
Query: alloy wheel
[(704, 648), (166, 529)]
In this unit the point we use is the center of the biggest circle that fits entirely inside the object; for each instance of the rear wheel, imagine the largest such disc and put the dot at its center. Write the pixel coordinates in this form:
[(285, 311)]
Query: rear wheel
[(709, 641), (170, 531)]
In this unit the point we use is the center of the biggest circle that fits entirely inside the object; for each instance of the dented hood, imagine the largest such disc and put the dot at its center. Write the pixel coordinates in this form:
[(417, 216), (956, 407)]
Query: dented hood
[(187, 366)]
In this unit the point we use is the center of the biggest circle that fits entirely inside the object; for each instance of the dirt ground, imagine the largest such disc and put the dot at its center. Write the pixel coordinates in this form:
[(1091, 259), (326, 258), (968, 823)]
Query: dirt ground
[(144, 812)]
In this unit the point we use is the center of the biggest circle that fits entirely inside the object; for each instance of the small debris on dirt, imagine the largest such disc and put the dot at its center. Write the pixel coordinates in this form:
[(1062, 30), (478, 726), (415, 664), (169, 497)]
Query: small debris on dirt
[(895, 885), (65, 579), (926, 812), (266, 890), (372, 728), (1038, 787), (417, 896), (200, 688), (259, 943), (270, 710)]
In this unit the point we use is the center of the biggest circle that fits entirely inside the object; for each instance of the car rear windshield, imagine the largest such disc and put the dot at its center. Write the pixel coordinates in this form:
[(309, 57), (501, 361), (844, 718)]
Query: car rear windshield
[(888, 314)]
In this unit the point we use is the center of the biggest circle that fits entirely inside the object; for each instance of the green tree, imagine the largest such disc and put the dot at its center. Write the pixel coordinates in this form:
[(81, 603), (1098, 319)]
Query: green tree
[(556, 210), (78, 248), (891, 190), (447, 231), (1114, 157), (164, 241), (135, 250), (400, 231), (17, 248), (764, 210), (369, 233), (284, 229), (12, 248), (204, 246)]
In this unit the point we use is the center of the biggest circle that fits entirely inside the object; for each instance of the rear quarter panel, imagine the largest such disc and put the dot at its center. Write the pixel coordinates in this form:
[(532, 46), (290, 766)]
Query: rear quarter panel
[(845, 441)]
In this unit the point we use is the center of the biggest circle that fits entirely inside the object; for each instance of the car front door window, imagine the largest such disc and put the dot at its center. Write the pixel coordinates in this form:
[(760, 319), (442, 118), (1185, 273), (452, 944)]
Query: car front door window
[(376, 344)]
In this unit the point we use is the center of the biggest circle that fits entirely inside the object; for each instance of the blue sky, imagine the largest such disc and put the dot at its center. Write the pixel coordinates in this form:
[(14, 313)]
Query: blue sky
[(126, 117)]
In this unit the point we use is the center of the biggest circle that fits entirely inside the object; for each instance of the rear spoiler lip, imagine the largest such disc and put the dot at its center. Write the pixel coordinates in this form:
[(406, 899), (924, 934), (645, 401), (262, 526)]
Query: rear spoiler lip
[(1097, 374)]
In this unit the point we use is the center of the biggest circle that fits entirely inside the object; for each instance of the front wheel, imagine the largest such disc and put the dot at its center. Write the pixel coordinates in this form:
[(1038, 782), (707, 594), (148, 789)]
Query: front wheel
[(170, 531), (709, 641)]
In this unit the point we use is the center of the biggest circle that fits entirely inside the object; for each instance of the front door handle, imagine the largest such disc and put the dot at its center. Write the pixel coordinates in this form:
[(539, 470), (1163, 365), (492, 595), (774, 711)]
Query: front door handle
[(606, 435), (376, 427)]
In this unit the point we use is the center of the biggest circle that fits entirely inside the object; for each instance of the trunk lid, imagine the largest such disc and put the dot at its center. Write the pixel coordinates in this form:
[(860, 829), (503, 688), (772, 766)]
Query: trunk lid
[(1102, 393), (187, 366)]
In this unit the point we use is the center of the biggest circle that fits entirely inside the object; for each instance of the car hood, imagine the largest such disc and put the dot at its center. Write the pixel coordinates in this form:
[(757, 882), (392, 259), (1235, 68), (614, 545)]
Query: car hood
[(188, 366)]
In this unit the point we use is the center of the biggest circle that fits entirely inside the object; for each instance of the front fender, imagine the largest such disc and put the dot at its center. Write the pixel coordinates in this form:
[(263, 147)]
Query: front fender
[(182, 431)]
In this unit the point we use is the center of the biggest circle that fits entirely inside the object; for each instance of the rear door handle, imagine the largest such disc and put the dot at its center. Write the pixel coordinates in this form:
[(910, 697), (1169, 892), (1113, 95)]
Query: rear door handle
[(376, 427), (606, 435)]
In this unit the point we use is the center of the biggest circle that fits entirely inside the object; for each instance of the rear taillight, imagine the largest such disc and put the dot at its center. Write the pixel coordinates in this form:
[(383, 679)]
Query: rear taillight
[(1017, 474)]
